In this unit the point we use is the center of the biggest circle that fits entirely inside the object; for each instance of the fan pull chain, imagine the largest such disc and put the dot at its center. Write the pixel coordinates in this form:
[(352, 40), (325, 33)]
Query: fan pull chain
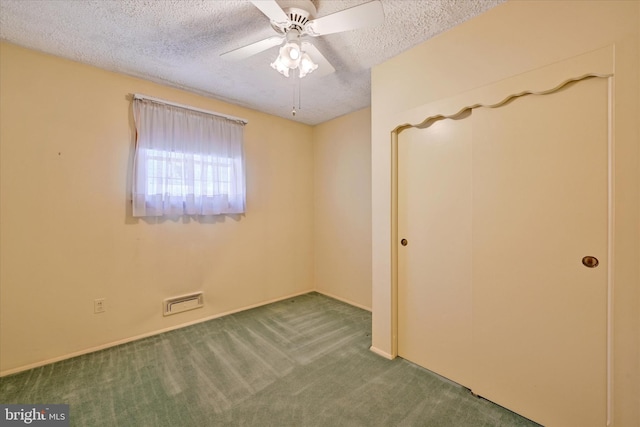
[(296, 85), (293, 101)]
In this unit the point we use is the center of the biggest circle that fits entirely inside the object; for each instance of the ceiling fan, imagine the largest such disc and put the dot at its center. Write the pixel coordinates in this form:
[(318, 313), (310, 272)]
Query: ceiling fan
[(295, 21)]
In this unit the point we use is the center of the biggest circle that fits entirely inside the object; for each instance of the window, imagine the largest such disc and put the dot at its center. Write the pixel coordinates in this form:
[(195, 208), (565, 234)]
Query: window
[(187, 162)]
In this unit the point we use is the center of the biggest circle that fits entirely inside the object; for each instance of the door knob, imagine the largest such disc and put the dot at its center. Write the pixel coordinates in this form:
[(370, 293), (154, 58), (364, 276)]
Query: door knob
[(590, 261), (403, 242)]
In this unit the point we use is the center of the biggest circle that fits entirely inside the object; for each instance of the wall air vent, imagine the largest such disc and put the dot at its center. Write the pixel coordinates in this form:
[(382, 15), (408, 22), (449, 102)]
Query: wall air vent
[(182, 303)]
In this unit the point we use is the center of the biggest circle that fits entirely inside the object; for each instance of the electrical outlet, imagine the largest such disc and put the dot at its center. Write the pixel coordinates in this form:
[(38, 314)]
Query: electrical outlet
[(99, 305)]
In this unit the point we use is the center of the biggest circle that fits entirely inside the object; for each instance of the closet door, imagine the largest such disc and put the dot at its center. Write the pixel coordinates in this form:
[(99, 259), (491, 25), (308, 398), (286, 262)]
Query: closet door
[(434, 268), (540, 197)]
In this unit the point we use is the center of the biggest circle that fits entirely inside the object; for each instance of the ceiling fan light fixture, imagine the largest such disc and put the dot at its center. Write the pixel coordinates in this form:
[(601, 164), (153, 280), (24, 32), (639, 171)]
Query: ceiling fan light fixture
[(280, 66), (294, 52), (290, 54), (306, 65)]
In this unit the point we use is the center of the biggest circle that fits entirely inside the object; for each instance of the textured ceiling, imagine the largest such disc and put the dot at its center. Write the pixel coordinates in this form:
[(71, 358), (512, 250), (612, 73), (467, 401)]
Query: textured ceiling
[(179, 42)]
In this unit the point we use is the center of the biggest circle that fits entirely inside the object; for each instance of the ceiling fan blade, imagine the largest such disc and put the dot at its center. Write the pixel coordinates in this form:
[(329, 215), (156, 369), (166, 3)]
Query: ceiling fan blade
[(252, 49), (324, 66), (364, 15), (272, 10)]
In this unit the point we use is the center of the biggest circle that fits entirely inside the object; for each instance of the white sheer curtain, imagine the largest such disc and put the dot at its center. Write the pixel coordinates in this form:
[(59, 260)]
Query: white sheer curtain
[(186, 162)]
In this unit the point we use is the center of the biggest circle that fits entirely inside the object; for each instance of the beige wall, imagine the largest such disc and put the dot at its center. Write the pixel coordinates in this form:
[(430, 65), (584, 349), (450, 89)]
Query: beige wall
[(67, 235), (508, 40), (342, 191)]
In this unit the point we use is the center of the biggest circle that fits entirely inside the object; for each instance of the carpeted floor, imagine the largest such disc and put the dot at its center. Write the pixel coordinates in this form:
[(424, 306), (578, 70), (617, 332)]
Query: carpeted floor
[(299, 362)]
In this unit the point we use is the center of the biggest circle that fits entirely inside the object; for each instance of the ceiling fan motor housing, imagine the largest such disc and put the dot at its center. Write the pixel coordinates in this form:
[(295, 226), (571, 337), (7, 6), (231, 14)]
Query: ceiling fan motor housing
[(299, 12)]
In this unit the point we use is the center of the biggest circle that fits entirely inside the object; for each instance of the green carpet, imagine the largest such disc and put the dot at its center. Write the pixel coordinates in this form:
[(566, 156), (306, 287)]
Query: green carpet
[(299, 362)]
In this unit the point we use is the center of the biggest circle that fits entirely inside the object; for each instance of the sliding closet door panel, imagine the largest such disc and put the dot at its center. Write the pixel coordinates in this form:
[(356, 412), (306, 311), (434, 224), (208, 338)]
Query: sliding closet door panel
[(539, 206), (434, 287)]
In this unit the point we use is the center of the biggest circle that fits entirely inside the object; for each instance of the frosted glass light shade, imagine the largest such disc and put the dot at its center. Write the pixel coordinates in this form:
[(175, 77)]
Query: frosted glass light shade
[(280, 67), (306, 65)]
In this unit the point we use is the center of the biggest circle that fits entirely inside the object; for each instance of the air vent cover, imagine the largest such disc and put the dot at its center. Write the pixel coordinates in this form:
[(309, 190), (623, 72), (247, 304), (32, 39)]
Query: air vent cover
[(182, 303)]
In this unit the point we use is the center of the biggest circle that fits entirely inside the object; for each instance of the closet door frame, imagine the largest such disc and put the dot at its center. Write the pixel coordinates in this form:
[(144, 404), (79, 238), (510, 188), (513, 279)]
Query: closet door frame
[(541, 81)]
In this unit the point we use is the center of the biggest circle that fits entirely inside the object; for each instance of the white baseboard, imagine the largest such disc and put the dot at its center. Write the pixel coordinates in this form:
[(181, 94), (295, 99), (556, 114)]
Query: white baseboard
[(138, 337), (343, 300), (381, 353)]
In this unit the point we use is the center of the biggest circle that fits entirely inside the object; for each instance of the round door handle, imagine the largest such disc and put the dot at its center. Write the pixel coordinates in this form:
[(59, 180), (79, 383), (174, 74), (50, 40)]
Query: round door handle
[(590, 261), (403, 242)]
